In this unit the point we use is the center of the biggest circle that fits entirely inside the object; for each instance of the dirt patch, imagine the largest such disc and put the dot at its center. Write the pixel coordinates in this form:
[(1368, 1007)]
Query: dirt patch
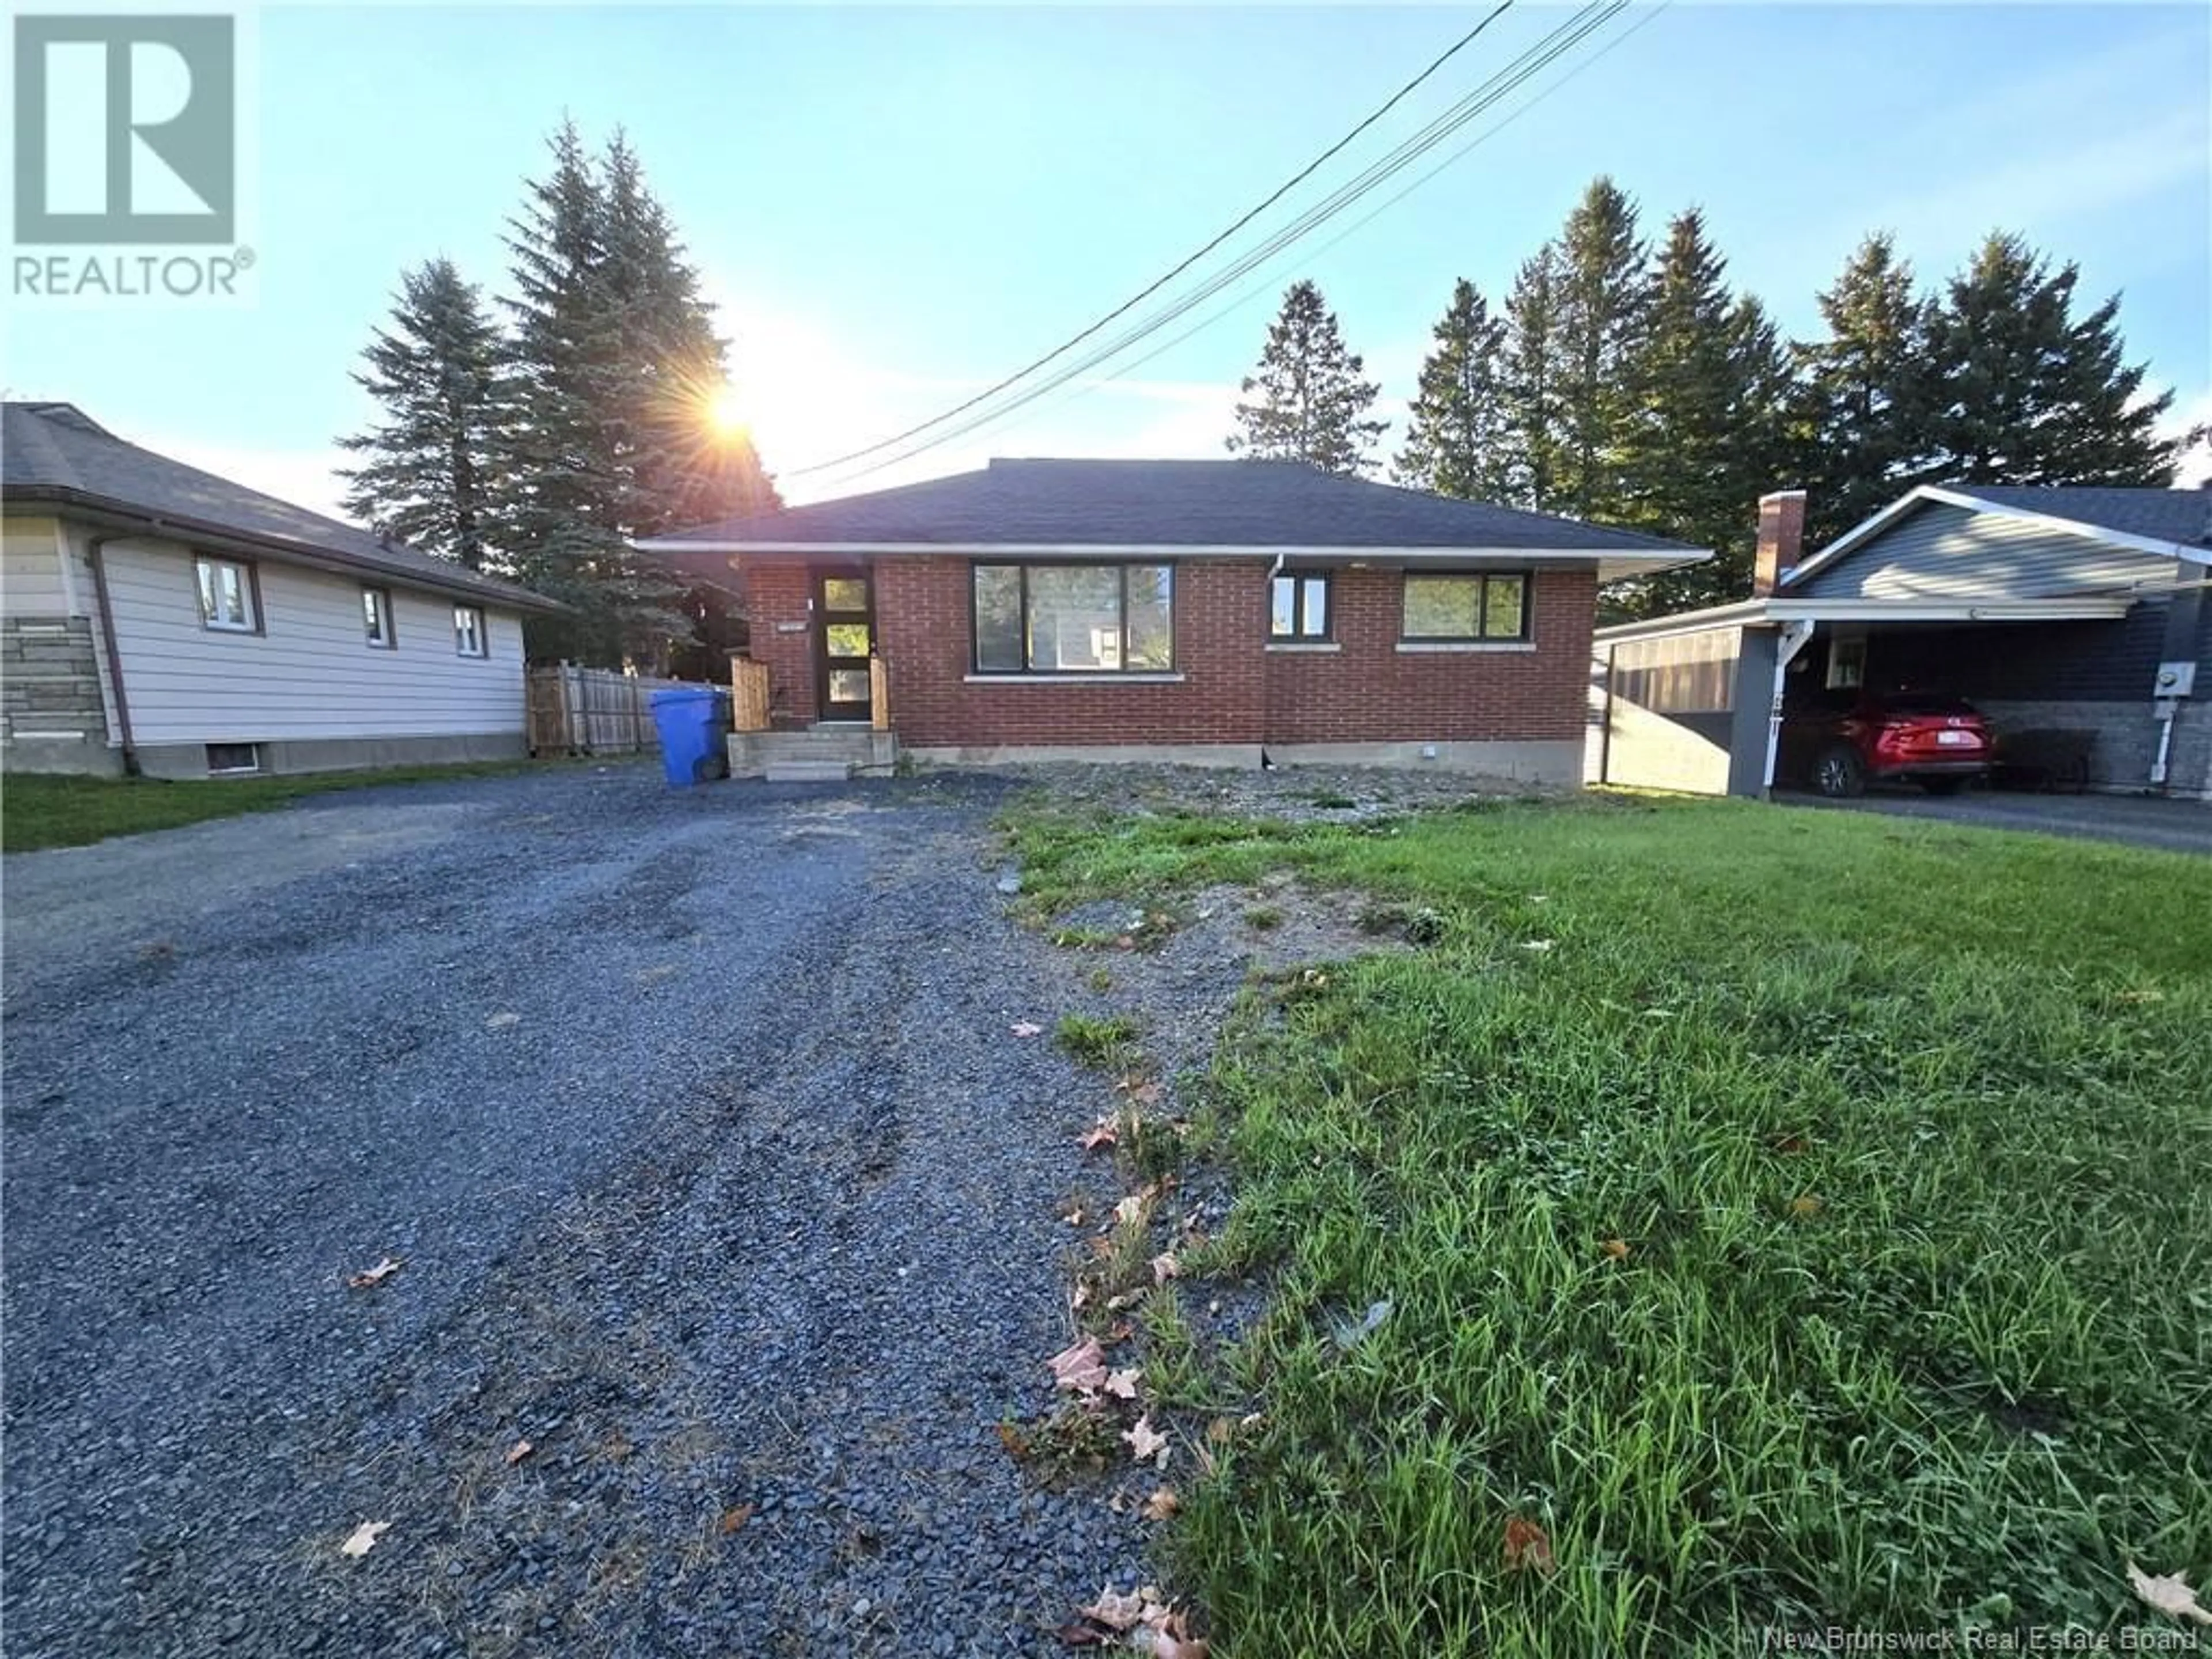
[(1291, 795)]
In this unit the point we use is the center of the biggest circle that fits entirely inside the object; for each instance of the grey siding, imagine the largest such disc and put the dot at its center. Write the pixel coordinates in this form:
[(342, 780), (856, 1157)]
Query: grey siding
[(1944, 552), (309, 675)]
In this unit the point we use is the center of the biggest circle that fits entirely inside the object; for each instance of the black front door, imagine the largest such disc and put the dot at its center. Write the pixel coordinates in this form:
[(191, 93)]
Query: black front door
[(844, 640)]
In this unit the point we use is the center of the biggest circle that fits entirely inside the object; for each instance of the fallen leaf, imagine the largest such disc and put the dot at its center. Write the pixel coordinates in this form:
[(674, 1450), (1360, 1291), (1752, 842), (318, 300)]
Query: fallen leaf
[(1617, 1249), (1016, 1443), (2169, 1594), (1144, 1093), (1073, 1635), (1114, 1610), (518, 1451), (1804, 1206), (501, 1021), (1122, 1384), (1024, 1029), (376, 1275), (1146, 1442), (1791, 1143), (1129, 1211), (1220, 1430), (1101, 1134), (1527, 1546), (1082, 1367), (735, 1517), (1163, 1504), (1164, 1268), (1080, 1298), (362, 1539), (1169, 1646)]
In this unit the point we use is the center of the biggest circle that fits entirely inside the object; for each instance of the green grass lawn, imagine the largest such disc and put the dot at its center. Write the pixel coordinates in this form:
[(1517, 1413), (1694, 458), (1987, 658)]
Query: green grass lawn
[(1803, 1218), (59, 812)]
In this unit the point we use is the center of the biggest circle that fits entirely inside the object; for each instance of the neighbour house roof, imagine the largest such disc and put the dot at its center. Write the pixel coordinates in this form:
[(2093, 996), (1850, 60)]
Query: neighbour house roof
[(53, 452), (1175, 508), (2065, 553)]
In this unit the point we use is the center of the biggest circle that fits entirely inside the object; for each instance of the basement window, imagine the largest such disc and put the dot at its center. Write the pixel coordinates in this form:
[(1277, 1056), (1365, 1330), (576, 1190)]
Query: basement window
[(233, 758)]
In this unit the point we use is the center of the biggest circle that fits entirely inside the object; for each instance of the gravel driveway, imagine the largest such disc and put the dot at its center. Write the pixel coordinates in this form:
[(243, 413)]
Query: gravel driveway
[(714, 1174)]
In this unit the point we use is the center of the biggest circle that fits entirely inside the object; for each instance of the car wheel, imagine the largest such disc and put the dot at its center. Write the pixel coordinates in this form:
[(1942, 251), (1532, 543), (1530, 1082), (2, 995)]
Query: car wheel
[(1942, 785), (1839, 772)]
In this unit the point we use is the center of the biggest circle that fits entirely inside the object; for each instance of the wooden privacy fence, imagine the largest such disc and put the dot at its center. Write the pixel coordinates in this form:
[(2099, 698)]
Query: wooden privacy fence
[(748, 695), (593, 711)]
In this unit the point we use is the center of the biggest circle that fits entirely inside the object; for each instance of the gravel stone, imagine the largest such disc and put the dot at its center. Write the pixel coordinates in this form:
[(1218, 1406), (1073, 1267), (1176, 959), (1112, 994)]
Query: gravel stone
[(655, 1224)]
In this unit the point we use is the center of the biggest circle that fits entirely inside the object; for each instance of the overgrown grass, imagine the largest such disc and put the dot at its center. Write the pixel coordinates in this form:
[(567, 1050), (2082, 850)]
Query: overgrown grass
[(1803, 1218), (37, 812)]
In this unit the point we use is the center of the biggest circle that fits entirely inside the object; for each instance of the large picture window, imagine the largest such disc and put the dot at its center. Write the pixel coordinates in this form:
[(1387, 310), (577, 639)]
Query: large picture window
[(1074, 618), (1484, 606)]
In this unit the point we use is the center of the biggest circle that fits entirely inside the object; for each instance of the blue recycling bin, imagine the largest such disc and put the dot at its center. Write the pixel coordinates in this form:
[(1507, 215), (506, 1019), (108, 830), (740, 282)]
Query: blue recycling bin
[(691, 720)]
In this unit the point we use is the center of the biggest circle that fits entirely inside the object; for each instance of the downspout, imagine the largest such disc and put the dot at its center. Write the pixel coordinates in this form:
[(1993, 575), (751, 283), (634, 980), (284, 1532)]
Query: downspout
[(1267, 666), (95, 551)]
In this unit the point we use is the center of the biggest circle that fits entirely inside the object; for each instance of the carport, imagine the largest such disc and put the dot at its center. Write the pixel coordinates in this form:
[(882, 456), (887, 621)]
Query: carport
[(2074, 639)]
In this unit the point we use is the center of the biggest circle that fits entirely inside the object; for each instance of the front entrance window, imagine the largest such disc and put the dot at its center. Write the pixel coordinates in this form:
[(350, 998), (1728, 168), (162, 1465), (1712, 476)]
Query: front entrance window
[(845, 643)]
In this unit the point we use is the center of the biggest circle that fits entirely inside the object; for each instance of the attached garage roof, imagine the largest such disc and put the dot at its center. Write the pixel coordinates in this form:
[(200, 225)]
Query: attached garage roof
[(1230, 506), (55, 454)]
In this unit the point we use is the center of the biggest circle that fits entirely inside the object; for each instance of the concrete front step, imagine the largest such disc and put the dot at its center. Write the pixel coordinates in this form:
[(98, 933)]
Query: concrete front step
[(855, 748), (808, 771)]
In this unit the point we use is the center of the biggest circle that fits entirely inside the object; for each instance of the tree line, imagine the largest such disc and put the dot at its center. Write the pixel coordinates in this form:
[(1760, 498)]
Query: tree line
[(537, 437), (1632, 386)]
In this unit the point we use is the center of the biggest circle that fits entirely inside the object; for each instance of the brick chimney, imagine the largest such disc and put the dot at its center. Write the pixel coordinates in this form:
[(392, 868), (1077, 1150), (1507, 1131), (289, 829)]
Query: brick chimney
[(1781, 540)]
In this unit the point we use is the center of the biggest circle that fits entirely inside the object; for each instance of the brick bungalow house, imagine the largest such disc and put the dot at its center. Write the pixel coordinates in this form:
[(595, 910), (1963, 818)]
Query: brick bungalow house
[(1208, 611)]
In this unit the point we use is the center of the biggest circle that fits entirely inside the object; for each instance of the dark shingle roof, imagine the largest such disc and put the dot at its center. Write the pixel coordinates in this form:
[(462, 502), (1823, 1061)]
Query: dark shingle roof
[(54, 452), (2166, 515), (1234, 503)]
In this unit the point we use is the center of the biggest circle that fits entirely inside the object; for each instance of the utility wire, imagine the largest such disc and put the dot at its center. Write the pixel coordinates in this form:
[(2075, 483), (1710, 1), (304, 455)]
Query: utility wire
[(1142, 295), (1532, 62), (1359, 224)]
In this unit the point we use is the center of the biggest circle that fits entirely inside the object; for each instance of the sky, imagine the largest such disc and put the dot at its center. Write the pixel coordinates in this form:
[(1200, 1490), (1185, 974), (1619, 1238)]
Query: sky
[(893, 209)]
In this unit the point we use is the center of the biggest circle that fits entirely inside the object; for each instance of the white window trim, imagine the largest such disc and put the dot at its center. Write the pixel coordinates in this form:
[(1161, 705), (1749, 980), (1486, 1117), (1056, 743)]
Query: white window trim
[(483, 633), (248, 592), (389, 640)]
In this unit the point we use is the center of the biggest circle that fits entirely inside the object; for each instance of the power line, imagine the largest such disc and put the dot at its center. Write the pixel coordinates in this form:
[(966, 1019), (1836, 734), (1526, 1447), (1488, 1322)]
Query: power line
[(1143, 294), (1592, 17), (1364, 221)]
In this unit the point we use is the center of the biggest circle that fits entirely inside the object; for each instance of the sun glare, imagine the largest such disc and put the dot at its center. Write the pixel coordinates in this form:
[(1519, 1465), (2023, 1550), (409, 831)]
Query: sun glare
[(726, 412)]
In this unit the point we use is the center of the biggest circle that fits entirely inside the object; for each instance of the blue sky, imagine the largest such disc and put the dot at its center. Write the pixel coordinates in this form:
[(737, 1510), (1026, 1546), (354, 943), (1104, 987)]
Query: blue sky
[(895, 208)]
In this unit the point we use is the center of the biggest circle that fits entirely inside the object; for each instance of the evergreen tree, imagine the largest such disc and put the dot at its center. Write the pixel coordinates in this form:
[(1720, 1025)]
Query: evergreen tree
[(1602, 291), (2031, 396), (1456, 438), (614, 362), (425, 475), (1862, 425), (1701, 442), (1312, 403), (1530, 384)]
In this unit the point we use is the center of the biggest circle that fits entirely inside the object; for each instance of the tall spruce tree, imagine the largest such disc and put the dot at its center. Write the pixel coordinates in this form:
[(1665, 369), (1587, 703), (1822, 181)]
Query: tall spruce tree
[(1603, 289), (425, 478), (1456, 435), (1862, 422), (1530, 385), (1312, 404), (2030, 395), (614, 360), (1702, 440)]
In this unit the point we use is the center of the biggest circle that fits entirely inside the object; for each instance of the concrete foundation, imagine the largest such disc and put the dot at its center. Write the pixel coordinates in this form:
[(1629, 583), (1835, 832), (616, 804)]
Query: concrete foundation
[(190, 760), (1529, 763)]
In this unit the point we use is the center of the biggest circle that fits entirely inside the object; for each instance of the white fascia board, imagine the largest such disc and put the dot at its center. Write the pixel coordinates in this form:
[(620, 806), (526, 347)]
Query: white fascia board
[(1656, 558), (2088, 607), (1744, 613)]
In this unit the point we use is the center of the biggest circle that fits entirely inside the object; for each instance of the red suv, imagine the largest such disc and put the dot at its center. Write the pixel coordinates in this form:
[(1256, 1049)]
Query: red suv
[(1838, 743)]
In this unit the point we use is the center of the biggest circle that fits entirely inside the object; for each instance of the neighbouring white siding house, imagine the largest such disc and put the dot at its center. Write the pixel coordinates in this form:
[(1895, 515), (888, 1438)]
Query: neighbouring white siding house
[(158, 619)]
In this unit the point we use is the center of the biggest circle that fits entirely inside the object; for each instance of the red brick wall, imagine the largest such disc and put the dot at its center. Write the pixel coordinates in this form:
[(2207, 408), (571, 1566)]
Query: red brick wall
[(778, 592), (1371, 692), (922, 615), (1233, 690)]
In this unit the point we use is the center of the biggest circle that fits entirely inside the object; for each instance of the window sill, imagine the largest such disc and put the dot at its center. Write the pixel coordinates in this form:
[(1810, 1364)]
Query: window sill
[(1416, 647), (1319, 647), (1107, 677)]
